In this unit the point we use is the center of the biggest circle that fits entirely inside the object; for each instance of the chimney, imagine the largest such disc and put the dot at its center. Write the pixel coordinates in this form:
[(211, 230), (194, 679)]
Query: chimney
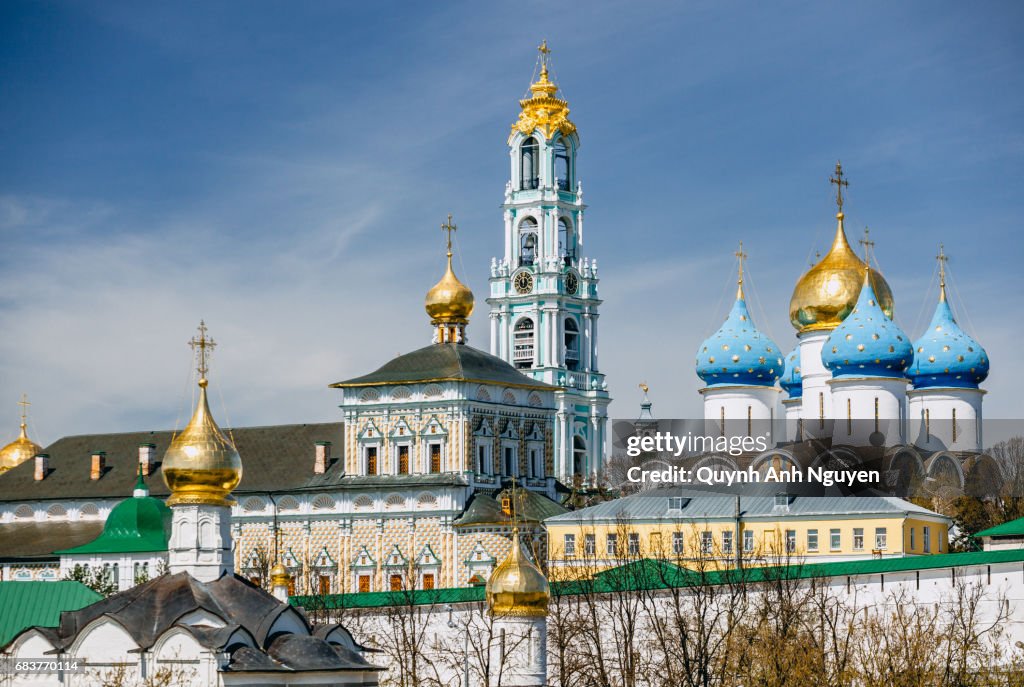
[(99, 463), (147, 456), (42, 466), (323, 457)]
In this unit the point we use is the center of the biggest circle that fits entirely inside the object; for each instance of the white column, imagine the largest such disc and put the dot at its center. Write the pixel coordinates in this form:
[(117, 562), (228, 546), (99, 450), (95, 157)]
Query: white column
[(495, 334), (525, 664), (817, 396), (587, 342), (593, 342)]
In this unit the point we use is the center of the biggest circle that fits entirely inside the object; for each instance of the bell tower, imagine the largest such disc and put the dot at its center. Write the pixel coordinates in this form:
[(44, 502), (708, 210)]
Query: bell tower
[(543, 292)]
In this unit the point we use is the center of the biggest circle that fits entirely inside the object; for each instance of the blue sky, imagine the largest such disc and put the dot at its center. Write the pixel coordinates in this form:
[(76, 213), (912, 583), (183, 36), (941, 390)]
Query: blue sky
[(281, 170)]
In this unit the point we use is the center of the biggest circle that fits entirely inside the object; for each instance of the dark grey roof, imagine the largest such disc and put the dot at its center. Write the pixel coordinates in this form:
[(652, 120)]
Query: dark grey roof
[(150, 609), (274, 458), (484, 508), (38, 540), (698, 505), (447, 362)]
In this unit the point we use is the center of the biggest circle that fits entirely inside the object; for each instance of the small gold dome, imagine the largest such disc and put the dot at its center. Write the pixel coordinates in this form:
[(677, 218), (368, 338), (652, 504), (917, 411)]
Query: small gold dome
[(449, 300), (202, 464), (517, 587), (279, 576), (827, 292), (18, 451)]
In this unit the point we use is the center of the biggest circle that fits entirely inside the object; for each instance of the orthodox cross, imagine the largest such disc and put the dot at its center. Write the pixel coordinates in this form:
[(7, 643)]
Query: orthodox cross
[(839, 181), (449, 228), (644, 387), (943, 259), (205, 346), (868, 244), (24, 408), (741, 256)]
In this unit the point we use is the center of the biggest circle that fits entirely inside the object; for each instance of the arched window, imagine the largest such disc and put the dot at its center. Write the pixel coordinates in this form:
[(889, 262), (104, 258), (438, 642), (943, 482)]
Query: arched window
[(527, 241), (566, 243), (529, 164), (572, 344), (579, 455), (522, 344), (562, 170)]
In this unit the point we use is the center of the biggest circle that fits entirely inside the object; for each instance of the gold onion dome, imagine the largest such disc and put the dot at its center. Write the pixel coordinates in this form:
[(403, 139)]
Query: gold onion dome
[(827, 292), (517, 587), (202, 464), (449, 300), (279, 576), (18, 451)]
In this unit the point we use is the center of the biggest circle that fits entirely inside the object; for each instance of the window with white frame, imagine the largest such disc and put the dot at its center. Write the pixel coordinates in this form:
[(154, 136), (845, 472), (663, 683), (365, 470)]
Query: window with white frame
[(434, 454), (590, 544), (727, 541), (790, 541), (707, 543), (370, 458), (523, 344), (634, 543), (858, 538), (678, 543), (812, 540), (483, 457), (835, 540), (926, 538), (536, 461), (748, 541), (510, 464), (612, 545), (913, 540), (881, 539), (569, 544)]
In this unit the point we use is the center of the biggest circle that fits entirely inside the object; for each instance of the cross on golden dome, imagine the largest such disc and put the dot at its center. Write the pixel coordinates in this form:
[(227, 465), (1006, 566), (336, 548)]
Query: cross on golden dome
[(840, 182), (943, 259), (202, 346), (24, 408), (449, 228)]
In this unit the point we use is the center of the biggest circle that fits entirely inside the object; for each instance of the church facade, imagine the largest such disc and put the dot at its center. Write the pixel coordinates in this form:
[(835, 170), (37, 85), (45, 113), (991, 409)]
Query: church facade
[(856, 384)]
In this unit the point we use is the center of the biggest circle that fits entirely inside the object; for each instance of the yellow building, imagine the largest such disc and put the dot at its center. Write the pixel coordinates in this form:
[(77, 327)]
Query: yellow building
[(698, 529)]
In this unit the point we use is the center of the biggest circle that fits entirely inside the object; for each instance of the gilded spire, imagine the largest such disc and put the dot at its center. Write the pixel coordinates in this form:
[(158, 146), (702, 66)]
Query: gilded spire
[(543, 111), (741, 256), (202, 464), (943, 259), (449, 302)]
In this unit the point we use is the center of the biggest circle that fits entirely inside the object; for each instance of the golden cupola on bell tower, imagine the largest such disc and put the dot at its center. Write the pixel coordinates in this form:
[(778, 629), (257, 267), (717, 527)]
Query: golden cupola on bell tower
[(449, 302), (202, 465), (827, 292)]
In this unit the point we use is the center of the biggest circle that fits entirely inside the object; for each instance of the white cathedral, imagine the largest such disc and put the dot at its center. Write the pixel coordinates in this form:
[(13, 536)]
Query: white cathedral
[(855, 378)]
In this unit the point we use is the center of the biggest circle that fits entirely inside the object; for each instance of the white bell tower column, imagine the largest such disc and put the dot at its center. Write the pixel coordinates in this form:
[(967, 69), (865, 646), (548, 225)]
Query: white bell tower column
[(544, 299)]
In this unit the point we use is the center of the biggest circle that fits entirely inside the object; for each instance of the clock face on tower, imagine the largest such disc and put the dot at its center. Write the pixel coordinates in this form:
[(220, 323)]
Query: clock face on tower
[(572, 283), (523, 281)]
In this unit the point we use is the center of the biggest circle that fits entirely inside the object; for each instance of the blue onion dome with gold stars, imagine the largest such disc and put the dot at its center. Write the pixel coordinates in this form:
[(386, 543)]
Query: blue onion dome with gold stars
[(867, 343), (945, 355), (738, 353), (791, 380)]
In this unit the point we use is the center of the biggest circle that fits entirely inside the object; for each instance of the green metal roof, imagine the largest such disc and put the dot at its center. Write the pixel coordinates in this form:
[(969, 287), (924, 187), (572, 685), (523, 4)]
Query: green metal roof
[(1007, 529), (652, 574), (27, 604), (136, 525)]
